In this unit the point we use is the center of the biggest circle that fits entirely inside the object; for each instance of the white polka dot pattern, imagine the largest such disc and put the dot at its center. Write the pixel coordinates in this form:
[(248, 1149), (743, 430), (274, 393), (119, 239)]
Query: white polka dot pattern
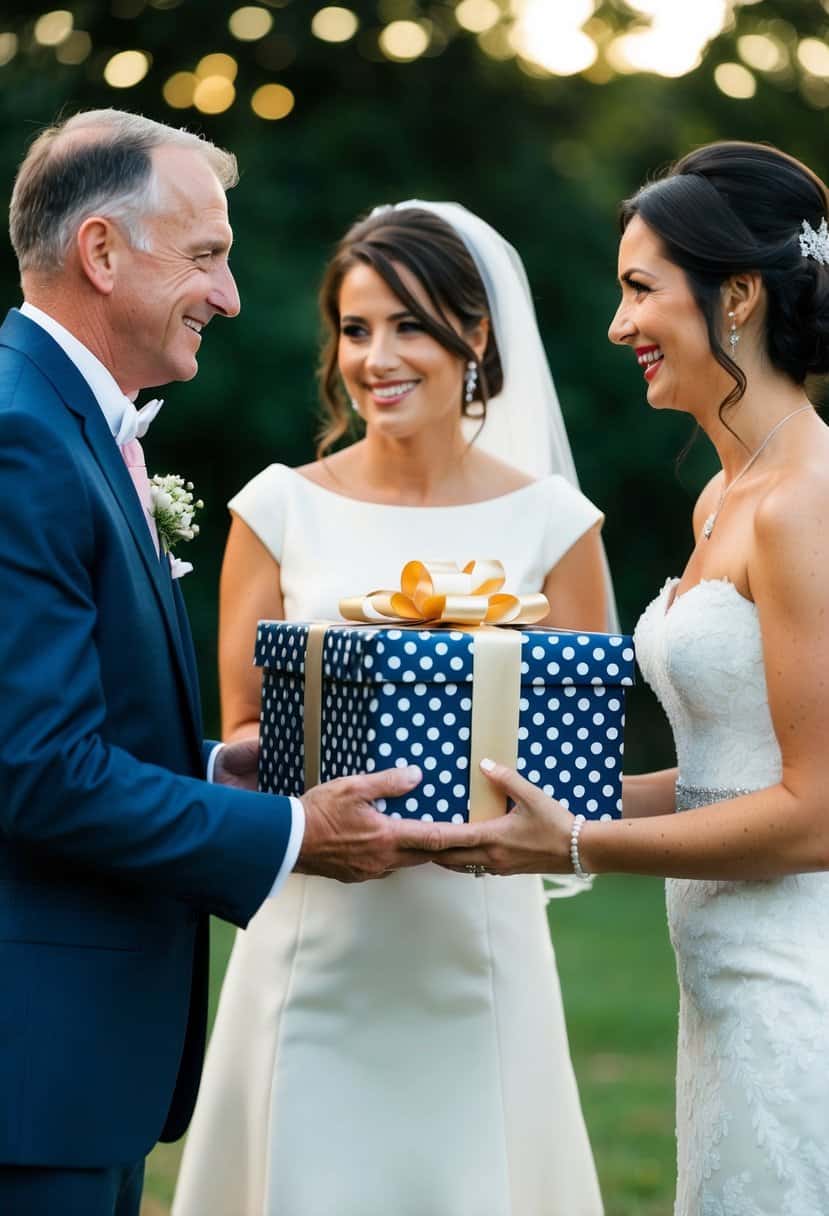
[(399, 696)]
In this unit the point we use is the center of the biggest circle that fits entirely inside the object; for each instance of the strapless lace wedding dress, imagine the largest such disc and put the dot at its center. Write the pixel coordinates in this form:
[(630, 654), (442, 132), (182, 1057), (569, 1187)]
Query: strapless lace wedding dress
[(752, 957)]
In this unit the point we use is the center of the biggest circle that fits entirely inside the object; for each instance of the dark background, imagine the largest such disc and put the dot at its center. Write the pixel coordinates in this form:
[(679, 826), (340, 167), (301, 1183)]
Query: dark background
[(544, 158)]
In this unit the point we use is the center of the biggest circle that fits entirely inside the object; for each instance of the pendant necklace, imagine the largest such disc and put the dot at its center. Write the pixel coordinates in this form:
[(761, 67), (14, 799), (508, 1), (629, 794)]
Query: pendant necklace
[(708, 526)]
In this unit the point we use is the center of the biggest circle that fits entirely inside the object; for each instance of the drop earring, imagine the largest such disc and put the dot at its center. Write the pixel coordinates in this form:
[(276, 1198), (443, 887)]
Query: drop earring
[(733, 336), (470, 382)]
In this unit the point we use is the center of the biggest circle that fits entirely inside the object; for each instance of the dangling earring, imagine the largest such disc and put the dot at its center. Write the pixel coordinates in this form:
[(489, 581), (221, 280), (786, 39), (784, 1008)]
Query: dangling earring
[(470, 381), (733, 336), (354, 404)]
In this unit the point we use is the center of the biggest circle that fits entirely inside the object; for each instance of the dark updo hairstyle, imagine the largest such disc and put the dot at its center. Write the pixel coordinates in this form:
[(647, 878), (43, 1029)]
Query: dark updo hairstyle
[(433, 252), (730, 208)]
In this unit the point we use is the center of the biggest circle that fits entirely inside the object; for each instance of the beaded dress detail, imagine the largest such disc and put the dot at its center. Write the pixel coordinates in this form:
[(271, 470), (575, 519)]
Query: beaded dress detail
[(752, 957)]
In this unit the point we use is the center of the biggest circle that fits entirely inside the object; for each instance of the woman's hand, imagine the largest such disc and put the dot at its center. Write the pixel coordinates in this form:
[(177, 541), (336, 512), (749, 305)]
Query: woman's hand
[(534, 838)]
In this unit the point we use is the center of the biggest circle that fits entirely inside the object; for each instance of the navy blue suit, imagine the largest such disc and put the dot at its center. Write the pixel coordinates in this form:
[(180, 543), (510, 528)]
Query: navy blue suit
[(112, 851)]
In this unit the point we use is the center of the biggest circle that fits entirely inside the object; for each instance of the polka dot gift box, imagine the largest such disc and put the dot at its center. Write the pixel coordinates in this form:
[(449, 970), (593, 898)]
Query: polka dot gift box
[(392, 696)]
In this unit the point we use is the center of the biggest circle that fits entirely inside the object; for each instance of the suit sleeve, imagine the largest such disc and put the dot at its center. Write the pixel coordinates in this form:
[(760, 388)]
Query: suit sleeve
[(66, 794)]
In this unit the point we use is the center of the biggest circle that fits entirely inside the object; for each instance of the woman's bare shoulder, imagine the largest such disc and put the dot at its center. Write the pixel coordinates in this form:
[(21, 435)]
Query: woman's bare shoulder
[(796, 504)]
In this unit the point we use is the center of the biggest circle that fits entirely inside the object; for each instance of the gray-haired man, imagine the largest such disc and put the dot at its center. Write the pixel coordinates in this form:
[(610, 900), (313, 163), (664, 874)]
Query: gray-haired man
[(113, 849)]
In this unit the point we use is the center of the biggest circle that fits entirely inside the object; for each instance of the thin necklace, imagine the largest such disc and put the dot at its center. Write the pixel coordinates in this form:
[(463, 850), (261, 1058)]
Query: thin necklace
[(708, 526)]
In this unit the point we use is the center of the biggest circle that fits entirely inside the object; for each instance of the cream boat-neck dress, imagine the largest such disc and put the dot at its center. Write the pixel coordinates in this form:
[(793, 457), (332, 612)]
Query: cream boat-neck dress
[(396, 1048)]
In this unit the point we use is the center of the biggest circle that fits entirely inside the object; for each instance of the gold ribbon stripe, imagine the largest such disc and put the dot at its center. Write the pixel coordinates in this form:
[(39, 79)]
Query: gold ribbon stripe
[(312, 702), (496, 696)]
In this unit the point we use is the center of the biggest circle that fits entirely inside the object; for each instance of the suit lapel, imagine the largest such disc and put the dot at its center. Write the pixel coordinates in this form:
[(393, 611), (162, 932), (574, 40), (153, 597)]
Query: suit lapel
[(24, 335), (188, 655)]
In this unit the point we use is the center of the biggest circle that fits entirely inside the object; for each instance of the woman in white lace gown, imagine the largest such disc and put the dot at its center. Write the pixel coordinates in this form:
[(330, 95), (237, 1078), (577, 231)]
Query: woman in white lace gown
[(725, 300), (399, 1048)]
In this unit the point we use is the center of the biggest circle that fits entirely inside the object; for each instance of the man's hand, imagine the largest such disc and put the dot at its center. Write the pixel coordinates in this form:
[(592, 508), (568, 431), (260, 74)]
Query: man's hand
[(237, 764), (348, 839)]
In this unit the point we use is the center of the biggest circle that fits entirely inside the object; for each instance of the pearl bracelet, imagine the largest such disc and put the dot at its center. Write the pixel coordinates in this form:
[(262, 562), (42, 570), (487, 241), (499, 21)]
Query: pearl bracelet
[(578, 823)]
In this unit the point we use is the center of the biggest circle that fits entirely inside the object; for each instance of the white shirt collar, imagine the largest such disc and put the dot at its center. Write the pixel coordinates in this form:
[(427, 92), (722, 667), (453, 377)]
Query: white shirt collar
[(121, 415)]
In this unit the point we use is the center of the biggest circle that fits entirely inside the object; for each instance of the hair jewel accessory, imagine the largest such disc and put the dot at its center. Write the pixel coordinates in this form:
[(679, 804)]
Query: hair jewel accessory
[(815, 244)]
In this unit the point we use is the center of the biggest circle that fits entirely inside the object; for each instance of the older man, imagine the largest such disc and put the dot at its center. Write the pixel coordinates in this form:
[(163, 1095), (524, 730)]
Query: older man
[(113, 849)]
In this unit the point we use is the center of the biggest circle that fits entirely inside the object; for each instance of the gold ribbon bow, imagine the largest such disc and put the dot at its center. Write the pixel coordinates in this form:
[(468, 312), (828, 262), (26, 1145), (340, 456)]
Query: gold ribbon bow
[(442, 593)]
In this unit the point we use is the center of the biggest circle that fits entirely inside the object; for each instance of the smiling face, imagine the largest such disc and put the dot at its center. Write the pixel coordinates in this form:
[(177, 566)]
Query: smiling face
[(163, 297), (661, 321), (400, 377)]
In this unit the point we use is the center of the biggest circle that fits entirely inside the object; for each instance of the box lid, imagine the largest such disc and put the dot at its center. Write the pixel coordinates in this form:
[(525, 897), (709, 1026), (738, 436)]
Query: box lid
[(385, 654)]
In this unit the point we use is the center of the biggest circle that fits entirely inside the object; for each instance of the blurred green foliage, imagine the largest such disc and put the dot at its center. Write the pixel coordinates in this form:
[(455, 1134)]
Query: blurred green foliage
[(544, 159)]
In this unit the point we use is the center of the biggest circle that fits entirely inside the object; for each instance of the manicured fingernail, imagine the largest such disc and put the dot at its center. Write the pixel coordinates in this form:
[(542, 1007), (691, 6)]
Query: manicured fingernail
[(487, 765), (413, 773)]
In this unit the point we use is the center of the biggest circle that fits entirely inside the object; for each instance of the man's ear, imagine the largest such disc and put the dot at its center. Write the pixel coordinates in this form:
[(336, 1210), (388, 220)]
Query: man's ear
[(99, 245)]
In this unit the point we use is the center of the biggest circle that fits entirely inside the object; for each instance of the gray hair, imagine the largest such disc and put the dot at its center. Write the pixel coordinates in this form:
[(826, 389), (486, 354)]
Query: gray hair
[(97, 162)]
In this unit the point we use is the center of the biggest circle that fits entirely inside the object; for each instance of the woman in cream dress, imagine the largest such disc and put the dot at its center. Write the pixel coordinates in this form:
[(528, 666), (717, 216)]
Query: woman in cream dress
[(399, 1048)]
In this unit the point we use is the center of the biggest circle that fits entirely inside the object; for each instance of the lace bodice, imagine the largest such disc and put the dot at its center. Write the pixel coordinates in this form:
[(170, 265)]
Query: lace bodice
[(752, 1115), (703, 656)]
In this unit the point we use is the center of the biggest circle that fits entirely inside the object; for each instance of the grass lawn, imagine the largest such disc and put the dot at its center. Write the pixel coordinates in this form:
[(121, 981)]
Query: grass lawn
[(619, 983), (617, 973)]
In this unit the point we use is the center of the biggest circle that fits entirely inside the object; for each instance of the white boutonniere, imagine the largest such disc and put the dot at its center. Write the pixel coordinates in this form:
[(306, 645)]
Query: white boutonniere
[(173, 510)]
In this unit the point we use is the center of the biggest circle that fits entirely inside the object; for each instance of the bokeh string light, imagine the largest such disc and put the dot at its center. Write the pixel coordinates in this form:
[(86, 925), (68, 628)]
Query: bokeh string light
[(179, 90), (217, 64), (8, 48), (762, 52), (672, 41), (478, 16), (545, 38), (126, 69), (272, 101), (250, 23), (214, 94), (814, 56), (53, 28), (403, 41), (735, 81), (334, 24), (551, 37), (74, 49)]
